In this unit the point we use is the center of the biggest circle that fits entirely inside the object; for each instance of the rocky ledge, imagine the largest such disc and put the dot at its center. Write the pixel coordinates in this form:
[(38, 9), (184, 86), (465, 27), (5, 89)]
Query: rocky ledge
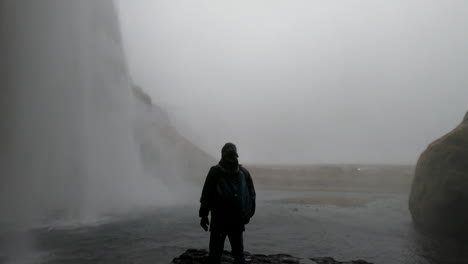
[(194, 256)]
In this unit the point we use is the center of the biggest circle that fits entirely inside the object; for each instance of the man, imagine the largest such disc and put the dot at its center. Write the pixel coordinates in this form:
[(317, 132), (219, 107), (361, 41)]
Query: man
[(229, 195)]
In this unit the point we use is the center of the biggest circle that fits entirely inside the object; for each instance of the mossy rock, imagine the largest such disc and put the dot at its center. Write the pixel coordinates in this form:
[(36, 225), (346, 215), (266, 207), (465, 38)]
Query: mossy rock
[(439, 193)]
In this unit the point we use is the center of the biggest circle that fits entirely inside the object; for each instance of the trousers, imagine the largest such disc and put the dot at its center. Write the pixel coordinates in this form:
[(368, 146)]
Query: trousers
[(217, 246)]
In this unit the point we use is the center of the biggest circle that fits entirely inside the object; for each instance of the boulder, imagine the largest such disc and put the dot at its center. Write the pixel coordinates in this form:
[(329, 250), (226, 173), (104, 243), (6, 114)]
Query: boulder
[(194, 256), (439, 192)]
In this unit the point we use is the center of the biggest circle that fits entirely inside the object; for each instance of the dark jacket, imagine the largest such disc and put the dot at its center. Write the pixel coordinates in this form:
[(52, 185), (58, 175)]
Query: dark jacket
[(229, 196)]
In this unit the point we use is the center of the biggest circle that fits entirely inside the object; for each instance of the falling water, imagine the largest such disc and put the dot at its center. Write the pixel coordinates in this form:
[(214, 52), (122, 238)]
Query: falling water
[(74, 135), (68, 144)]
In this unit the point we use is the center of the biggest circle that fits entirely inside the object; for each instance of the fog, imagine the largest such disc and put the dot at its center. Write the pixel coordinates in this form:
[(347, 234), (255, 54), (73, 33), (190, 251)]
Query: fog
[(304, 81), (288, 82), (72, 132), (104, 109)]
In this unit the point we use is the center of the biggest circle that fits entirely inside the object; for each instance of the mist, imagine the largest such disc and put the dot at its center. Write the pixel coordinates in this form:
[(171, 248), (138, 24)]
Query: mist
[(112, 113), (304, 81), (74, 131)]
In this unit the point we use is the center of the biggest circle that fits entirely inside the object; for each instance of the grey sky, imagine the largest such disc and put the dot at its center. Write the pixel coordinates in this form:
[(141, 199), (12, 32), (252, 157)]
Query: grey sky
[(304, 81)]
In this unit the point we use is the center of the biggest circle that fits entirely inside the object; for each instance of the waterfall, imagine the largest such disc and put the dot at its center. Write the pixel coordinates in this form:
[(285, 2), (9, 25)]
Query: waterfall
[(67, 113)]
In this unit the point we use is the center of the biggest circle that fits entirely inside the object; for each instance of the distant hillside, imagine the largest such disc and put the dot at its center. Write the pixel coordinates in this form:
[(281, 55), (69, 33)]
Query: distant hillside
[(165, 153), (334, 177)]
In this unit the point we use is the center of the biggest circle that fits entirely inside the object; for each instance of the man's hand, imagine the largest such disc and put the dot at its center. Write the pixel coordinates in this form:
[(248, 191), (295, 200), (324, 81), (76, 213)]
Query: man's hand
[(204, 223)]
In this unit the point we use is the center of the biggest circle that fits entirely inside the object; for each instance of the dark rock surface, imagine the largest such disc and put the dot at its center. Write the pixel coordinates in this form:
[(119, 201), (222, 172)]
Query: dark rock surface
[(194, 256), (439, 193), (328, 260)]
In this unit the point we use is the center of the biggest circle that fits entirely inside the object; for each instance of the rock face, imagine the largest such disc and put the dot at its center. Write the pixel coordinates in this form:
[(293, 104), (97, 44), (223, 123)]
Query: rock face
[(194, 256), (439, 193), (164, 152)]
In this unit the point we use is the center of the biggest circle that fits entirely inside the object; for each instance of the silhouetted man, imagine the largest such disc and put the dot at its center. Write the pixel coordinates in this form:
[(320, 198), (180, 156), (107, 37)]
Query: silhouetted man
[(229, 195)]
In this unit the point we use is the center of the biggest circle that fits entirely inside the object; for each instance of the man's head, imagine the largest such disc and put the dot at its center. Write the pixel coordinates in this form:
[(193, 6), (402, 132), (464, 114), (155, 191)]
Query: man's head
[(229, 151)]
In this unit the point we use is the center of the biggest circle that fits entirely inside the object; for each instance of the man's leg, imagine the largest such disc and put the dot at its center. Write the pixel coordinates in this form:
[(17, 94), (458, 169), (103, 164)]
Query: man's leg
[(237, 245), (216, 247)]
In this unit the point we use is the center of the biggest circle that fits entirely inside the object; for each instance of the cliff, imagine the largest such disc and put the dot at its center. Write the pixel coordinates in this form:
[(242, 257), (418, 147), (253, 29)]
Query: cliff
[(439, 192), (164, 152)]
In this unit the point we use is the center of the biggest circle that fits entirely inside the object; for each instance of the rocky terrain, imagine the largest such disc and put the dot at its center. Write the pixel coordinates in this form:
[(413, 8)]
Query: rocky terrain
[(439, 192), (194, 256)]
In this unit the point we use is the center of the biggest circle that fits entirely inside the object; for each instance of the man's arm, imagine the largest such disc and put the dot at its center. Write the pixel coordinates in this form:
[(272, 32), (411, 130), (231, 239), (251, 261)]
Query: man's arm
[(252, 193), (206, 200)]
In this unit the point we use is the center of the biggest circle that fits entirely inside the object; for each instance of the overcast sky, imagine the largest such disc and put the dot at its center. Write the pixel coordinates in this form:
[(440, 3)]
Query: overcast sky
[(364, 81)]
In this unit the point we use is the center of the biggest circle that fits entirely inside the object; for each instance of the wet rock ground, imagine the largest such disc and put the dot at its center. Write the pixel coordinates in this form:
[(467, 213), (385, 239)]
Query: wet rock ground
[(194, 256)]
